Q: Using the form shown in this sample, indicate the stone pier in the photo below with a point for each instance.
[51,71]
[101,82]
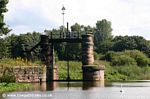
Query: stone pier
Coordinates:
[47,56]
[91,72]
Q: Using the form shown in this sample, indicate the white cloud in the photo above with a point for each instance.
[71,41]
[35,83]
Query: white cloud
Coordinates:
[127,16]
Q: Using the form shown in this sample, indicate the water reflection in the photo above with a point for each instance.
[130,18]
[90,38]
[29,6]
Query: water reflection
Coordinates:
[51,86]
[44,86]
[48,86]
[89,85]
[87,90]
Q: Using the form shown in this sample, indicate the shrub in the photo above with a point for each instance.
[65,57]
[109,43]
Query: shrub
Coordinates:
[109,55]
[7,75]
[128,57]
[112,74]
[122,60]
[132,72]
[96,56]
[140,57]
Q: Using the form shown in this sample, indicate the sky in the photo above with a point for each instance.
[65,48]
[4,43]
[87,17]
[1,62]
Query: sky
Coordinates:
[128,17]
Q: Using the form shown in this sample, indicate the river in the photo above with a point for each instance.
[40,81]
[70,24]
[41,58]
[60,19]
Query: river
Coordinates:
[80,90]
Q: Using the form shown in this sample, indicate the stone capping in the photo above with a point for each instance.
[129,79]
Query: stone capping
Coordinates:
[88,35]
[93,67]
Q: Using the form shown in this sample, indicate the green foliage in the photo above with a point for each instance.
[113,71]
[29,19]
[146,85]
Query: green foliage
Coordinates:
[112,74]
[13,87]
[104,46]
[128,57]
[122,60]
[7,62]
[109,55]
[7,76]
[103,30]
[128,72]
[96,56]
[141,58]
[75,70]
[73,51]
[81,29]
[3,9]
[16,45]
[4,49]
[76,27]
[122,43]
[103,36]
[132,72]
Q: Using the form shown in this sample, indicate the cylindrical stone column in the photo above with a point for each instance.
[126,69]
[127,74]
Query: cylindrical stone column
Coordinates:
[91,72]
[87,49]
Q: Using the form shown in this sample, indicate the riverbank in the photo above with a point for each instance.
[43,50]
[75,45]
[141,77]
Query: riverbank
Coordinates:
[112,73]
[14,87]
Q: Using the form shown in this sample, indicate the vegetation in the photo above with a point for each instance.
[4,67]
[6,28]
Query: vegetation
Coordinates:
[128,57]
[102,36]
[13,87]
[7,62]
[75,70]
[125,57]
[112,73]
[120,73]
[3,9]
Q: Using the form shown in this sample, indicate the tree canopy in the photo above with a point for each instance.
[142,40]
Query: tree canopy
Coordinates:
[3,28]
[103,36]
[14,46]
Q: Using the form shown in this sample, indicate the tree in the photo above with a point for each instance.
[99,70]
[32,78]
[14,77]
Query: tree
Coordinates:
[58,47]
[76,27]
[19,44]
[88,28]
[103,35]
[74,49]
[4,50]
[130,43]
[3,29]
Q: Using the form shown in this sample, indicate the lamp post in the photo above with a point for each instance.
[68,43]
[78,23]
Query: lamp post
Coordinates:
[63,13]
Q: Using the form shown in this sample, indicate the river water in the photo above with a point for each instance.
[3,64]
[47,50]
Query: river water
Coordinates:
[82,90]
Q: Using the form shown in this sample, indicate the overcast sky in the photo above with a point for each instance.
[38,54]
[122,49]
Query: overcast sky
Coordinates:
[128,17]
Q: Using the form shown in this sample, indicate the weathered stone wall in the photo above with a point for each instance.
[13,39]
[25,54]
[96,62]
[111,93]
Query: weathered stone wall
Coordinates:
[26,73]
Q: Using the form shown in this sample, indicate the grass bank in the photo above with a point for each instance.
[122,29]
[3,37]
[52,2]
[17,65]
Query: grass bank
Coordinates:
[13,87]
[75,70]
[18,62]
[112,73]
[125,72]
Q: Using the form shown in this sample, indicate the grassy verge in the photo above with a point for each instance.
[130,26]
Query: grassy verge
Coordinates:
[13,87]
[75,68]
[112,73]
[126,73]
[18,62]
